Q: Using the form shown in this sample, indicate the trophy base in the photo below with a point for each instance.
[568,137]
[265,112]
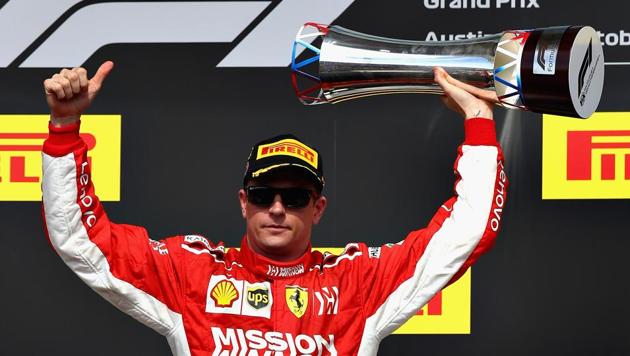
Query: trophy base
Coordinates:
[563,71]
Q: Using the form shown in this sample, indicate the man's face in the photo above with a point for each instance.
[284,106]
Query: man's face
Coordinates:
[275,230]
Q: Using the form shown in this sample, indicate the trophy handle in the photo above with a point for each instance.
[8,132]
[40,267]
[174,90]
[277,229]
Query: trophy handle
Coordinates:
[308,31]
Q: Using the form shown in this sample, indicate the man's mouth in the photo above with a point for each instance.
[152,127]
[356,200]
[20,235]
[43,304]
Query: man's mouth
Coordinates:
[276,227]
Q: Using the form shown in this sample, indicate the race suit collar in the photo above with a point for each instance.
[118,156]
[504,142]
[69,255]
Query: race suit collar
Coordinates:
[271,269]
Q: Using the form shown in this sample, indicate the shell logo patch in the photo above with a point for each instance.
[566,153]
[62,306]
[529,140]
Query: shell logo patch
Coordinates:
[224,294]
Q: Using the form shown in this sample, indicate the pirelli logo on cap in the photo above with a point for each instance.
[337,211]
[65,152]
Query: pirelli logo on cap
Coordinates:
[586,159]
[288,147]
[21,140]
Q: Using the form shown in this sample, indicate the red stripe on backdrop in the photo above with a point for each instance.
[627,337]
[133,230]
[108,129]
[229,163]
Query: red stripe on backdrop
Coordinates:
[89,139]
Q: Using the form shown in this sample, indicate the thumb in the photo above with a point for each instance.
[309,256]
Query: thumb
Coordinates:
[102,73]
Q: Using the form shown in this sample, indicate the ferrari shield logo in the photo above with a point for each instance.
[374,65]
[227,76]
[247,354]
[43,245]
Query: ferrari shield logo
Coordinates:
[297,300]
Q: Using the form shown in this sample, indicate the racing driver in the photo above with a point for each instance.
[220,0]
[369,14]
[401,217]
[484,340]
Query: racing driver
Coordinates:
[273,296]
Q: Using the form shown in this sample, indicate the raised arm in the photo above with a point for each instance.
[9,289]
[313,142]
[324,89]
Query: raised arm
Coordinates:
[402,277]
[119,262]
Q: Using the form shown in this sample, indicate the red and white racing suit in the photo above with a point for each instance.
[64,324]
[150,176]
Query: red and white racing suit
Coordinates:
[206,300]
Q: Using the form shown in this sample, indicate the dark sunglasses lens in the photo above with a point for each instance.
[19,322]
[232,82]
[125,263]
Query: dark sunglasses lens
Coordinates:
[296,197]
[260,195]
[291,197]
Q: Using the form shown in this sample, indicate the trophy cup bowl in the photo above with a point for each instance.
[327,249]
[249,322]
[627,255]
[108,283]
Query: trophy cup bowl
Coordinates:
[554,70]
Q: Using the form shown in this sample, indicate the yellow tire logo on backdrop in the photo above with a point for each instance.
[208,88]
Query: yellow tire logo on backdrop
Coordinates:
[21,139]
[447,313]
[586,159]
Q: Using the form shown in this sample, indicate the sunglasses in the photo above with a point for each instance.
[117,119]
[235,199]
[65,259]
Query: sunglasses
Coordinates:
[291,197]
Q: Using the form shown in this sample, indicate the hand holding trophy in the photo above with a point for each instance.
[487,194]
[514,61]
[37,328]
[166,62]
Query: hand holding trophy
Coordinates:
[555,70]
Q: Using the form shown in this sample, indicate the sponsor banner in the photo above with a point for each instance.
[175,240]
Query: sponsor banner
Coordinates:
[192,239]
[139,22]
[613,39]
[158,246]
[233,296]
[297,299]
[447,313]
[225,295]
[259,299]
[586,159]
[328,300]
[253,342]
[547,51]
[482,4]
[21,139]
[288,147]
[275,271]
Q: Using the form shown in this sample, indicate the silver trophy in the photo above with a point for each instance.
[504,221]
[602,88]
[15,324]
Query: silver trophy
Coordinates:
[555,70]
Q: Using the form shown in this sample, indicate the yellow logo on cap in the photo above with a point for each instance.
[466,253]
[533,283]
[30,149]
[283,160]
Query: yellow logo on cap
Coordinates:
[288,147]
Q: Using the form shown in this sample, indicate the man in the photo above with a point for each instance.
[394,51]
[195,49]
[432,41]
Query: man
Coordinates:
[274,296]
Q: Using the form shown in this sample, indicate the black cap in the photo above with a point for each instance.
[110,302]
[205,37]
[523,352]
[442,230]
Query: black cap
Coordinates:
[284,151]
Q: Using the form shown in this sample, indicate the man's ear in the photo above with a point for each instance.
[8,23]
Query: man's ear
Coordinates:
[320,206]
[242,199]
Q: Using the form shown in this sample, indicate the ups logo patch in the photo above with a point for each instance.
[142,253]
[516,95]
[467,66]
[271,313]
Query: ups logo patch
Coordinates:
[258,297]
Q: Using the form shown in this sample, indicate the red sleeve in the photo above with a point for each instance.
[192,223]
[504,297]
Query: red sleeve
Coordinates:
[406,275]
[119,262]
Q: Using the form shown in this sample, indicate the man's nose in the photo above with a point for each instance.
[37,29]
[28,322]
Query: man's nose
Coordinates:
[277,207]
